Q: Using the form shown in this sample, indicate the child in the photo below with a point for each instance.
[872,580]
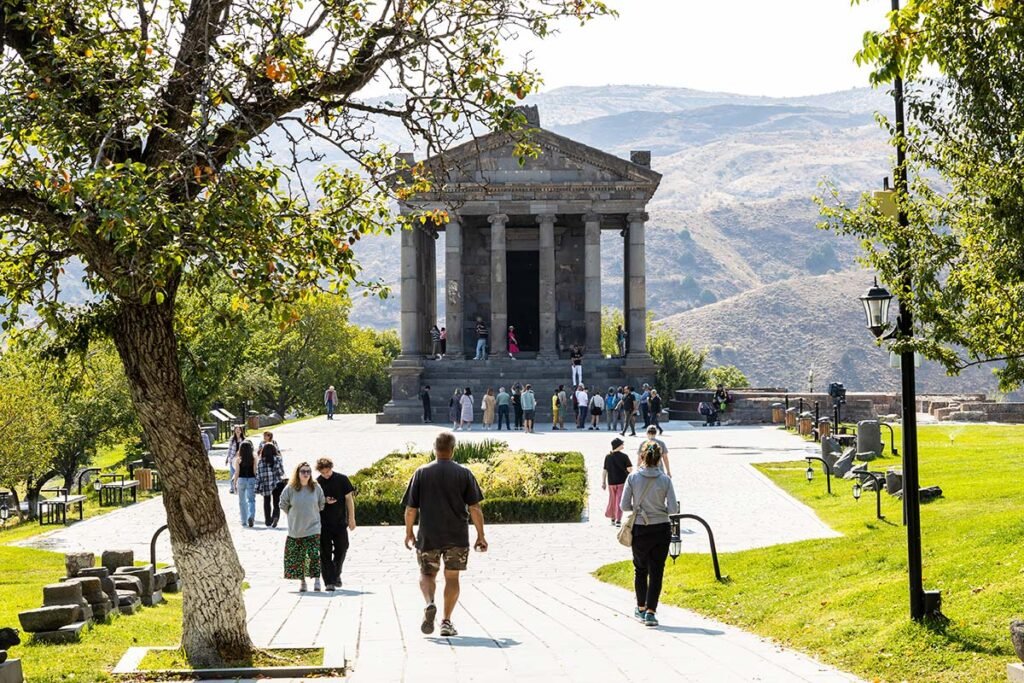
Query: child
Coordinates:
[616,468]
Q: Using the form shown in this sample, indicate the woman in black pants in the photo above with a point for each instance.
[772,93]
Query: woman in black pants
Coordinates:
[517,404]
[650,495]
[270,482]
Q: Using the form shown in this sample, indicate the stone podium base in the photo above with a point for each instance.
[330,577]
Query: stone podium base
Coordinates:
[10,672]
[1015,673]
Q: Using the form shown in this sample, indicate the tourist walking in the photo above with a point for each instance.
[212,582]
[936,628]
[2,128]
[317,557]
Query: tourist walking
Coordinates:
[652,438]
[444,342]
[302,500]
[627,404]
[488,406]
[504,402]
[466,405]
[649,494]
[445,496]
[337,518]
[582,406]
[330,400]
[655,406]
[455,408]
[425,399]
[613,478]
[554,410]
[645,408]
[596,408]
[435,342]
[563,406]
[270,483]
[620,340]
[237,437]
[268,437]
[517,404]
[245,482]
[513,342]
[481,339]
[609,408]
[529,403]
[576,361]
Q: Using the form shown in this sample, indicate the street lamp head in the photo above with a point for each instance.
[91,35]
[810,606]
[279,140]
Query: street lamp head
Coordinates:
[876,308]
[5,513]
[856,491]
[810,472]
[675,547]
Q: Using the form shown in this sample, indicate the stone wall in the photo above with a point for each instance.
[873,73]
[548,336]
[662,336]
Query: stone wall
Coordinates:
[754,406]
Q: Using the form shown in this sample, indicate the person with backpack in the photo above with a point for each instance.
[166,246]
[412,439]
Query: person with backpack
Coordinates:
[609,408]
[563,406]
[650,496]
[596,408]
[270,483]
[330,399]
[613,479]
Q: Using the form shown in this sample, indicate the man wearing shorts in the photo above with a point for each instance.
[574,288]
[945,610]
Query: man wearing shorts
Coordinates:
[446,496]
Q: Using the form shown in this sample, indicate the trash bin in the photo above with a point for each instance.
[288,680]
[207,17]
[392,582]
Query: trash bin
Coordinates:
[791,418]
[778,413]
[869,439]
[805,424]
[253,422]
[824,428]
[144,476]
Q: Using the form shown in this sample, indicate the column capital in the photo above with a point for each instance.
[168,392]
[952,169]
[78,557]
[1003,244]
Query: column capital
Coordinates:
[638,217]
[546,218]
[591,217]
[498,218]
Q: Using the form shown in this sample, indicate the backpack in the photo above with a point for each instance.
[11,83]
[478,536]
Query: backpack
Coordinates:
[704,408]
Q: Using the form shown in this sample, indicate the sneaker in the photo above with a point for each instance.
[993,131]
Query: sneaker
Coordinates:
[251,521]
[302,586]
[429,614]
[316,584]
[275,520]
[618,523]
[329,588]
[447,630]
[650,620]
[638,614]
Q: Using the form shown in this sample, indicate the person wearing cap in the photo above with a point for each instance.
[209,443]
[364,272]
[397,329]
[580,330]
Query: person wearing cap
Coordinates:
[652,438]
[613,477]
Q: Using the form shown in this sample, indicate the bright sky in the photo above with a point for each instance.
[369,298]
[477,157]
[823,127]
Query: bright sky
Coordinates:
[753,47]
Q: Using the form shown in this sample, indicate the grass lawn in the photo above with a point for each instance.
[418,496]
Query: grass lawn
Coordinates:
[844,600]
[175,659]
[25,572]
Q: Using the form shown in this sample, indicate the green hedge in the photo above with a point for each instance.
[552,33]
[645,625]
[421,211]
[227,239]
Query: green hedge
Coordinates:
[562,498]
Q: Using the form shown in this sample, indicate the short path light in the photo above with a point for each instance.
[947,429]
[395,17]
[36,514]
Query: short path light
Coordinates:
[5,512]
[878,480]
[675,548]
[810,472]
[856,491]
[876,308]
[825,466]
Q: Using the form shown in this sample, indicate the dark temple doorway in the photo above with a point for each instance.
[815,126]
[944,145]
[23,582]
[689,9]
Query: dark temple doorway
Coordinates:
[524,297]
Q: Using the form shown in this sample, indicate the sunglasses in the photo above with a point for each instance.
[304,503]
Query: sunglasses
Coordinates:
[305,471]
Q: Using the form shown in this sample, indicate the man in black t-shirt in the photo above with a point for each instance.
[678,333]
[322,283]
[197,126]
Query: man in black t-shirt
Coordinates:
[616,468]
[576,359]
[481,339]
[425,398]
[336,519]
[628,406]
[445,495]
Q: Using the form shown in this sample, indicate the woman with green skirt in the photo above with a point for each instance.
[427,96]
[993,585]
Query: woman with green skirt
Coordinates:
[302,500]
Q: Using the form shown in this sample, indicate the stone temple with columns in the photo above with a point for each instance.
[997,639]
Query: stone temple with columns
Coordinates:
[522,247]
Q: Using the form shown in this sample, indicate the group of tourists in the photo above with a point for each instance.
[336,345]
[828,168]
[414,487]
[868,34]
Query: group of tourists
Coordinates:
[320,511]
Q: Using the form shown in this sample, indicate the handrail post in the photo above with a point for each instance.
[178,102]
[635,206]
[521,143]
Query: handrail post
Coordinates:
[711,539]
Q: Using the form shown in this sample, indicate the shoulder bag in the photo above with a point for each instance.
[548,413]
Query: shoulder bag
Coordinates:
[625,534]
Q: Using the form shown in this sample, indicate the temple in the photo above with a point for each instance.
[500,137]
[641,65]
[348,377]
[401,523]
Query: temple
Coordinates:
[522,247]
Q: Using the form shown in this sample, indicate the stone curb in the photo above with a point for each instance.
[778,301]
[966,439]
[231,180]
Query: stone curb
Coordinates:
[128,667]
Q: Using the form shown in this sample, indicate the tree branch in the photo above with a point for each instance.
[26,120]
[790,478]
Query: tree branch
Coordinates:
[29,206]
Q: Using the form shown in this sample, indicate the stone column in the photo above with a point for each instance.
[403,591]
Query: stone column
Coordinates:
[636,312]
[499,286]
[548,327]
[625,285]
[453,287]
[428,284]
[411,334]
[592,283]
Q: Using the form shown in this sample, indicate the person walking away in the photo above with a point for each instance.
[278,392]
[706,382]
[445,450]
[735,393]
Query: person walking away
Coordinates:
[302,500]
[237,437]
[445,496]
[425,399]
[655,406]
[652,438]
[529,402]
[488,406]
[517,404]
[444,342]
[563,406]
[268,437]
[270,483]
[330,400]
[596,408]
[582,406]
[466,403]
[554,410]
[620,340]
[627,404]
[455,408]
[481,339]
[504,402]
[245,482]
[513,342]
[650,495]
[435,342]
[337,518]
[609,408]
[613,478]
[576,360]
[645,408]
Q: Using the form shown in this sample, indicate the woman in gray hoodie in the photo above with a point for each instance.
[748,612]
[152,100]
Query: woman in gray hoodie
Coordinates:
[302,500]
[649,493]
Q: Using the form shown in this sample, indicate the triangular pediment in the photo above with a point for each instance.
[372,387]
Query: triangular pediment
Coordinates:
[491,161]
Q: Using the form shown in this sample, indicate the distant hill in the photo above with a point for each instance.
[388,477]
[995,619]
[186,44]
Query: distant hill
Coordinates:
[778,332]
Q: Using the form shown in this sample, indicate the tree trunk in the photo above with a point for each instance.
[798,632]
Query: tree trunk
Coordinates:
[213,611]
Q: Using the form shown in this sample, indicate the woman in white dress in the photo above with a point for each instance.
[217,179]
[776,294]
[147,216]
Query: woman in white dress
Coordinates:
[466,422]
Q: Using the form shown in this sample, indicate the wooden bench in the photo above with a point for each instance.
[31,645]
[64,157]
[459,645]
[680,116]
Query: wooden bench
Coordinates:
[116,488]
[55,510]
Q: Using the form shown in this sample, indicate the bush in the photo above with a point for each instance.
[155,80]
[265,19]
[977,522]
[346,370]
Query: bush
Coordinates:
[728,376]
[518,486]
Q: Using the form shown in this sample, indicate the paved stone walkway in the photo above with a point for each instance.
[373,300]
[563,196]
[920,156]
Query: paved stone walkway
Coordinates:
[530,609]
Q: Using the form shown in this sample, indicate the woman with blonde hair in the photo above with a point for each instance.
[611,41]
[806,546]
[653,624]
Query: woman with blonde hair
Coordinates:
[489,406]
[303,500]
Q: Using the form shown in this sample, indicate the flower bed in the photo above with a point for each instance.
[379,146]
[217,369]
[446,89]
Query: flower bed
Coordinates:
[518,486]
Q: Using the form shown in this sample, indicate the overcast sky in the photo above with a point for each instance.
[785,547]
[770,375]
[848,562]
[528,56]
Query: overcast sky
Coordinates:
[751,47]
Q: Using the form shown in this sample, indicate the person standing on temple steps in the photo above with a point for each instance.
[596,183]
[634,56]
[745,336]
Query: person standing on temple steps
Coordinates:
[513,342]
[576,359]
[425,398]
[435,342]
[481,339]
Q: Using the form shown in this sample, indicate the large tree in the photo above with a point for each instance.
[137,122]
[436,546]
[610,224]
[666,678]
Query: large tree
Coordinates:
[963,247]
[133,138]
